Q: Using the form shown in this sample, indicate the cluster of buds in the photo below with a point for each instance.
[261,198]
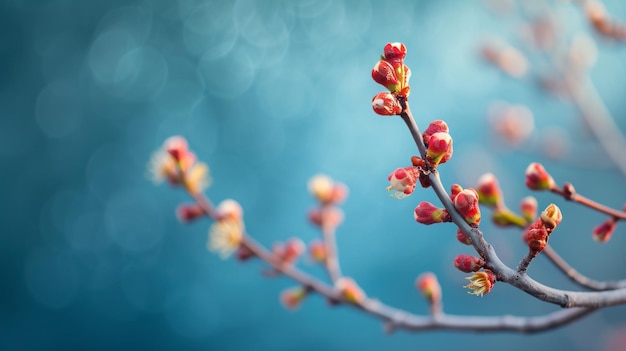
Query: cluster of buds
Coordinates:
[466,203]
[175,163]
[289,251]
[427,213]
[481,282]
[226,234]
[428,285]
[536,235]
[537,178]
[393,74]
[349,290]
[292,297]
[328,193]
[438,142]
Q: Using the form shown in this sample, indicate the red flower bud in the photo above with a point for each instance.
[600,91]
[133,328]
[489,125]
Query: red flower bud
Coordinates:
[244,253]
[468,263]
[455,189]
[290,251]
[428,285]
[537,178]
[384,74]
[434,127]
[394,52]
[536,236]
[292,298]
[385,104]
[427,213]
[462,237]
[402,181]
[528,207]
[488,190]
[466,203]
[603,232]
[189,212]
[439,145]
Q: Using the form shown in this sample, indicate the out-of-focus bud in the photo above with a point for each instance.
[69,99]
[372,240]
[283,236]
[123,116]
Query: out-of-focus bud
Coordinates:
[229,209]
[428,285]
[504,217]
[292,298]
[537,178]
[434,127]
[462,237]
[384,74]
[481,282]
[528,207]
[321,187]
[330,217]
[176,146]
[602,233]
[350,290]
[507,58]
[488,190]
[513,124]
[439,145]
[385,104]
[289,251]
[402,181]
[468,263]
[317,251]
[244,253]
[551,217]
[189,212]
[427,213]
[466,203]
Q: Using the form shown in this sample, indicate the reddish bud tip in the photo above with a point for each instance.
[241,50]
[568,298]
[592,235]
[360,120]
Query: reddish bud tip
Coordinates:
[468,263]
[385,104]
[463,238]
[528,207]
[434,127]
[350,291]
[317,251]
[189,212]
[488,190]
[603,232]
[455,189]
[428,285]
[384,74]
[439,145]
[292,298]
[427,213]
[402,181]
[537,178]
[466,203]
[394,52]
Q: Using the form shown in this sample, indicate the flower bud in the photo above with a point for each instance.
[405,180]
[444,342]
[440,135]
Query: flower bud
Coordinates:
[466,203]
[321,187]
[603,232]
[551,217]
[537,178]
[504,218]
[462,237]
[428,285]
[229,209]
[481,282]
[176,146]
[528,207]
[331,217]
[488,190]
[402,181]
[427,213]
[189,212]
[317,251]
[434,127]
[350,290]
[384,74]
[292,298]
[394,52]
[439,144]
[455,189]
[289,251]
[536,236]
[468,263]
[385,104]
[244,253]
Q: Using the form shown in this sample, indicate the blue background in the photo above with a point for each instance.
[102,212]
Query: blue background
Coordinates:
[268,93]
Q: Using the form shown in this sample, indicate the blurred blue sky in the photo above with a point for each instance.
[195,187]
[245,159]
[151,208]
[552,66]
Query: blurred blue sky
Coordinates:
[268,93]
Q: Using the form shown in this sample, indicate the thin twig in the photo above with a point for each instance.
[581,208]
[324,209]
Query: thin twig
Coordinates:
[331,262]
[575,197]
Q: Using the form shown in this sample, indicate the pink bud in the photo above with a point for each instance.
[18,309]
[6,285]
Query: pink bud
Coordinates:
[463,238]
[385,104]
[394,52]
[292,298]
[434,127]
[244,253]
[176,146]
[189,212]
[402,181]
[384,74]
[289,251]
[317,251]
[489,192]
[466,203]
[350,291]
[428,285]
[439,144]
[602,233]
[455,189]
[427,213]
[528,207]
[468,263]
[537,178]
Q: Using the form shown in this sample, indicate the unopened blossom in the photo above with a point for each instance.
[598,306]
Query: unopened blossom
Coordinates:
[481,282]
[350,290]
[488,190]
[189,212]
[504,217]
[513,124]
[528,207]
[434,127]
[402,181]
[386,104]
[505,57]
[394,52]
[292,297]
[466,203]
[229,209]
[290,250]
[468,263]
[455,189]
[537,178]
[551,217]
[321,187]
[330,217]
[384,74]
[602,233]
[462,237]
[428,285]
[225,236]
[439,146]
[244,253]
[317,251]
[174,162]
[427,213]
[537,234]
